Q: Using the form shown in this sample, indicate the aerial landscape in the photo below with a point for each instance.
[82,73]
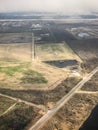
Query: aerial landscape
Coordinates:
[48,69]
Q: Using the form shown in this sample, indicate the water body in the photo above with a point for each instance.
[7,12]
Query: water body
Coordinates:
[92,121]
[62,63]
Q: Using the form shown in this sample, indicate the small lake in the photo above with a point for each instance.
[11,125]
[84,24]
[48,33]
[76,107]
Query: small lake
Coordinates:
[62,63]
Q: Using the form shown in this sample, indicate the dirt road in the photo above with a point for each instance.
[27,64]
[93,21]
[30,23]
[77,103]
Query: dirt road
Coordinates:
[60,103]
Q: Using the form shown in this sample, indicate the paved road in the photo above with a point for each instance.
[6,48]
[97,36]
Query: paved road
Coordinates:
[60,103]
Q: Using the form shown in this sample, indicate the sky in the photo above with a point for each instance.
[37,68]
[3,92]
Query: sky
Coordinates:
[59,6]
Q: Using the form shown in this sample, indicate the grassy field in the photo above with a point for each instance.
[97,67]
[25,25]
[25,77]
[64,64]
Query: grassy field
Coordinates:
[19,74]
[13,74]
[23,52]
[55,51]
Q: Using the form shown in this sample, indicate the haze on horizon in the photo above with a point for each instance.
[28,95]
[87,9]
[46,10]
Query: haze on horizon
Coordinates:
[58,6]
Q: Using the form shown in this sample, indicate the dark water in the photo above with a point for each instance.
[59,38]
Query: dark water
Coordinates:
[62,63]
[92,121]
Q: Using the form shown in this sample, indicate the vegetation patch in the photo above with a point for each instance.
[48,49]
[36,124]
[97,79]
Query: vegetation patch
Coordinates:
[89,65]
[92,84]
[5,103]
[73,113]
[44,96]
[19,118]
[10,71]
[31,76]
[20,74]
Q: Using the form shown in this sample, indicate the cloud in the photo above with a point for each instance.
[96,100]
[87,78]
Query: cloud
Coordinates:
[63,6]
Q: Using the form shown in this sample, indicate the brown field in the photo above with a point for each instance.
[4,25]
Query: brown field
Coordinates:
[15,37]
[15,54]
[73,114]
[59,51]
[92,84]
[88,65]
[86,48]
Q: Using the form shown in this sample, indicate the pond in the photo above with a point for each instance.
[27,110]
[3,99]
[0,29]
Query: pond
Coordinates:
[62,63]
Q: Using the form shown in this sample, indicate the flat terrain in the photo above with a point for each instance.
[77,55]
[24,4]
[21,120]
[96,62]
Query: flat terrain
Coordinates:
[15,52]
[91,85]
[73,114]
[15,38]
[85,48]
[19,117]
[42,65]
[55,51]
[75,111]
[17,58]
[43,97]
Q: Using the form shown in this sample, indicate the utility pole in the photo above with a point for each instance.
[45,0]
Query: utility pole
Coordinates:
[33,48]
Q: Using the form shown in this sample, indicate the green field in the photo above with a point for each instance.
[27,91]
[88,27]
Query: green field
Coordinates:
[20,74]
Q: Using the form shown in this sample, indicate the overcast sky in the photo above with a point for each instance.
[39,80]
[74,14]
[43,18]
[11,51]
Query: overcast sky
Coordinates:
[64,6]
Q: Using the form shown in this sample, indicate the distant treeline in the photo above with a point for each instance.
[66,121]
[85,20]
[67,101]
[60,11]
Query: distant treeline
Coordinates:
[38,15]
[89,16]
[18,16]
